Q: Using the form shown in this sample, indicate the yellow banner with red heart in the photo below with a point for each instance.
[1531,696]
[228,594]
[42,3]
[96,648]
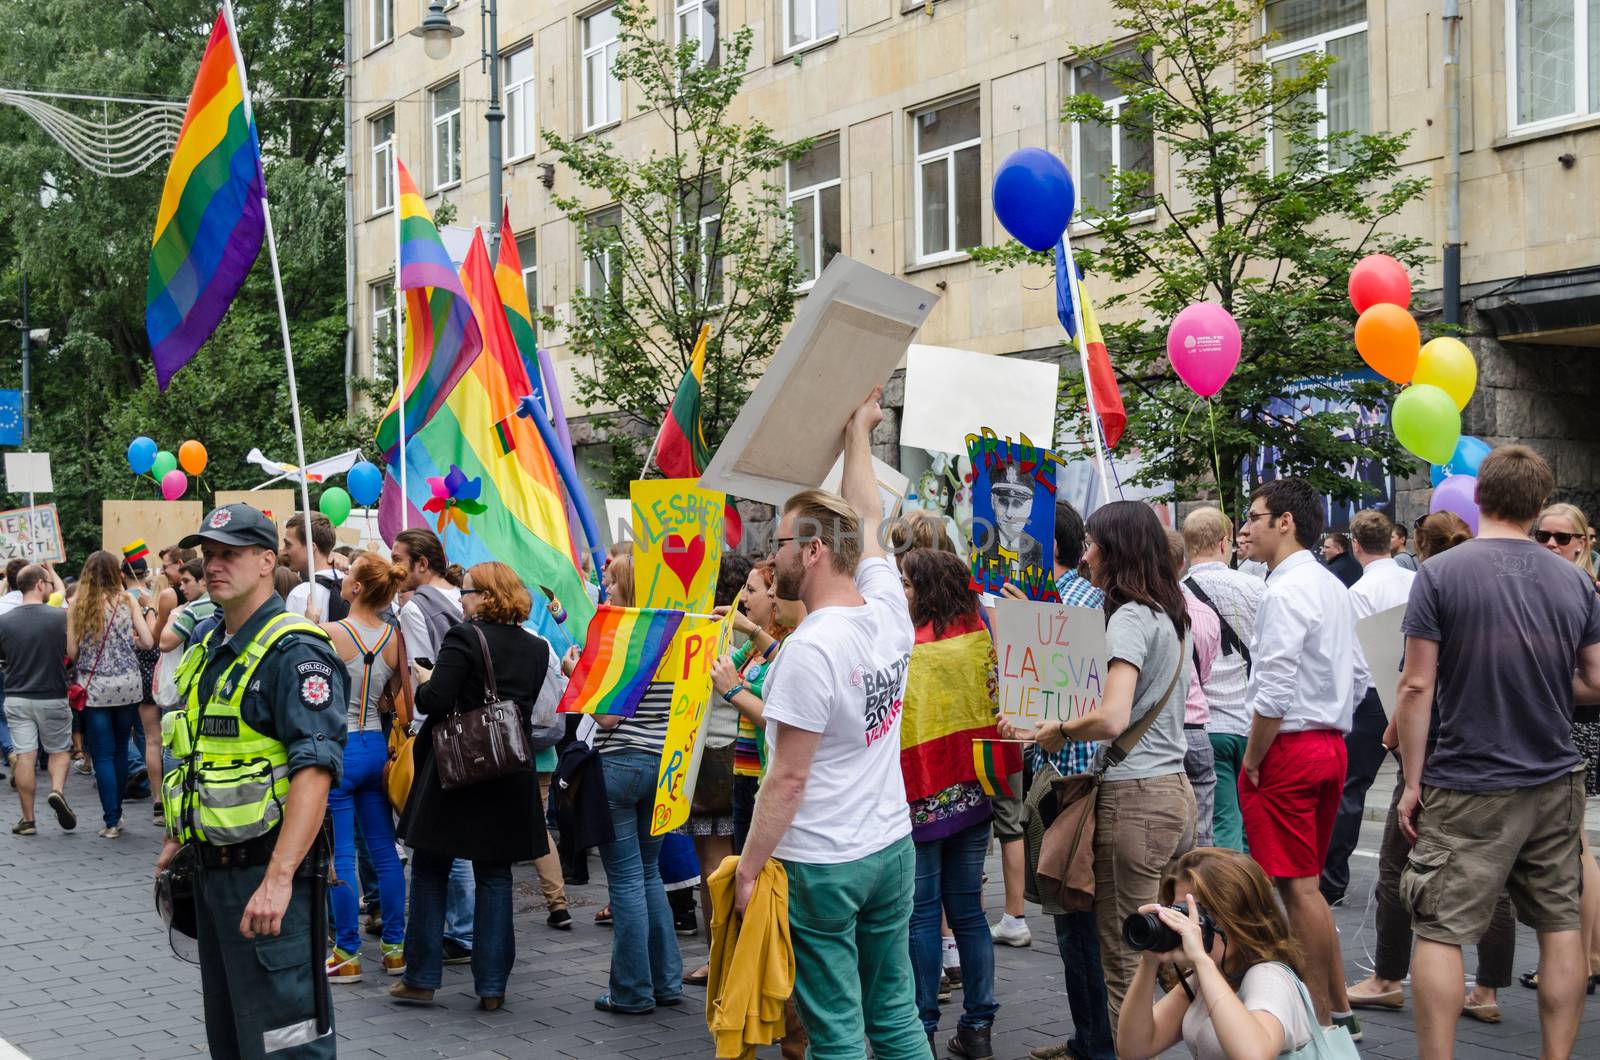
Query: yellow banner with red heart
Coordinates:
[677,544]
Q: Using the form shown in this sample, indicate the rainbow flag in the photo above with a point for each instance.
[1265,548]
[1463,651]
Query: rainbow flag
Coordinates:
[525,524]
[211,219]
[989,763]
[514,296]
[443,336]
[621,653]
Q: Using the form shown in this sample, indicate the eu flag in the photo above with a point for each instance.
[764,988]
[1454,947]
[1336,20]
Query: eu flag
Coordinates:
[10,417]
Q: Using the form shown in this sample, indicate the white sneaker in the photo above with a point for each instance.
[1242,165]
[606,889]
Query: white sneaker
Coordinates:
[1011,931]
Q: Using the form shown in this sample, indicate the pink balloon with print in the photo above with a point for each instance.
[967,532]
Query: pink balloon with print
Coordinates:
[174,484]
[1203,345]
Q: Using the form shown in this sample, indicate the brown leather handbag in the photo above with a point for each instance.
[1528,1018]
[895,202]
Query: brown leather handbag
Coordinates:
[484,743]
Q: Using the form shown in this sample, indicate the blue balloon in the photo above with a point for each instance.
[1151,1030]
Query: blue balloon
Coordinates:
[364,482]
[1437,473]
[141,454]
[1033,197]
[1469,454]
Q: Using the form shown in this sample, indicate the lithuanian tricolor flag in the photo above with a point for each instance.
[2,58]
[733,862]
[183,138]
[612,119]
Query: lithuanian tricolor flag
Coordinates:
[621,652]
[681,449]
[989,764]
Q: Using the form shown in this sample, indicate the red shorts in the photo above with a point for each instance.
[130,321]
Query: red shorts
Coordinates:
[1288,819]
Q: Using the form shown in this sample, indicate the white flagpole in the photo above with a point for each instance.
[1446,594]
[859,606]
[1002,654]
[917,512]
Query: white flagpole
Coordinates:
[399,332]
[283,315]
[1083,363]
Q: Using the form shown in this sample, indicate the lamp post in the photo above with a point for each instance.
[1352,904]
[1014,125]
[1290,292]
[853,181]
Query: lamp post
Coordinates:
[437,33]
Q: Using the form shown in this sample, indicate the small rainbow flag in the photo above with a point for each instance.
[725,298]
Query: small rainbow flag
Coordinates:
[621,652]
[988,761]
[134,551]
[210,222]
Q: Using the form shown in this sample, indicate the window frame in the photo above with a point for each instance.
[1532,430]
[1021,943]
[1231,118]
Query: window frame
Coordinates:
[381,154]
[586,52]
[605,262]
[1080,223]
[683,7]
[1317,44]
[452,120]
[527,90]
[921,158]
[792,195]
[813,41]
[380,317]
[374,7]
[1582,75]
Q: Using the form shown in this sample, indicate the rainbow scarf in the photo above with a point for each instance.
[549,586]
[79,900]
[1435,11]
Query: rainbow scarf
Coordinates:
[949,702]
[621,652]
[211,219]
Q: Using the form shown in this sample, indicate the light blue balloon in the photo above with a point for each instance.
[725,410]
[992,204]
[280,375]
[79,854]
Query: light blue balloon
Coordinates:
[1469,454]
[365,482]
[1437,473]
[141,454]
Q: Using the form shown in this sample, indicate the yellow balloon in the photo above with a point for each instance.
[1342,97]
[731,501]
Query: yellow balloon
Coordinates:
[1447,364]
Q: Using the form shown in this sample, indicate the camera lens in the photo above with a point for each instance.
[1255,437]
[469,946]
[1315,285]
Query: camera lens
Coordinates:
[1145,931]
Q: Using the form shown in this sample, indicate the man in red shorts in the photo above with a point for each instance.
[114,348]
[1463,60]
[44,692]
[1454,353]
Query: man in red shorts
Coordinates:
[1302,693]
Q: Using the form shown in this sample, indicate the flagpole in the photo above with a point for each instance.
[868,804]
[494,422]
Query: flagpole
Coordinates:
[399,334]
[283,312]
[1071,271]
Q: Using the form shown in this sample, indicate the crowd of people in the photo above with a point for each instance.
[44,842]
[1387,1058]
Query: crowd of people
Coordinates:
[1237,737]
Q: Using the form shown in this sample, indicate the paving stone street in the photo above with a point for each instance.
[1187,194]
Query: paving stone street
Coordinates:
[85,972]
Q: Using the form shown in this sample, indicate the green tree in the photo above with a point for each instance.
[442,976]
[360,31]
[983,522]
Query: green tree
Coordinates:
[694,233]
[1273,244]
[84,241]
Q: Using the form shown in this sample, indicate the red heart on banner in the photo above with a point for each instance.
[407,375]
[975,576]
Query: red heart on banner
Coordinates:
[684,559]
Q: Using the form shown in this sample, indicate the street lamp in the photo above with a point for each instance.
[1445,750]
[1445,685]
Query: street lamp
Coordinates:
[437,32]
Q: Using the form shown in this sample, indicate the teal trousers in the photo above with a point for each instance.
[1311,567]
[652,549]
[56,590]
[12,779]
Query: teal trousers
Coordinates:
[1227,826]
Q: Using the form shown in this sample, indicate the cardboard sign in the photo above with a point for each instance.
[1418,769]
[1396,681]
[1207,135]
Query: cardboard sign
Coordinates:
[161,524]
[28,473]
[677,544]
[948,390]
[698,645]
[619,520]
[1384,647]
[1013,515]
[1052,660]
[33,534]
[892,485]
[279,505]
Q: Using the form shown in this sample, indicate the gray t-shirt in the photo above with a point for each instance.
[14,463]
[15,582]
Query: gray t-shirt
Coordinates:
[1509,617]
[1145,638]
[33,640]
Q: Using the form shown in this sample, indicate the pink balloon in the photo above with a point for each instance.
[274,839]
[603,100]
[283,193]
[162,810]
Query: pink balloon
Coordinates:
[1203,345]
[174,484]
[1459,494]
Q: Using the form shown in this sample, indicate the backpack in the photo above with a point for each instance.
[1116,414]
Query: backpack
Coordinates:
[338,606]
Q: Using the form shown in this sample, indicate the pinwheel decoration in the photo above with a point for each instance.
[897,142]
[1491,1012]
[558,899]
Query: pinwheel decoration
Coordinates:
[455,497]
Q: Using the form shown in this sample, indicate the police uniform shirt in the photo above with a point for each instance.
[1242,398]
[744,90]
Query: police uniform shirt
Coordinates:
[298,695]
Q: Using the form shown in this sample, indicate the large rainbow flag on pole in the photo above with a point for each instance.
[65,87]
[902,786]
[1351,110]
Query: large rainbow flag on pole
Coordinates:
[514,296]
[623,649]
[525,525]
[210,223]
[443,336]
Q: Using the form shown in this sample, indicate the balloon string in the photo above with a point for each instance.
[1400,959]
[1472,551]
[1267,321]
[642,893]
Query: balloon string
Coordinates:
[1192,406]
[1216,462]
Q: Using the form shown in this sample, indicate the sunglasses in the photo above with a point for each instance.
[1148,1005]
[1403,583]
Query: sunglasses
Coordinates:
[1544,536]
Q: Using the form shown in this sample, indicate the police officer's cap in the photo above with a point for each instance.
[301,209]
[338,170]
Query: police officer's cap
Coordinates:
[235,524]
[1009,479]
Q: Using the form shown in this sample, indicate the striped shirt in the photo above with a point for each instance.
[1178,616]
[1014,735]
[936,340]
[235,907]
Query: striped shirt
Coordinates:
[647,729]
[1078,755]
[1235,596]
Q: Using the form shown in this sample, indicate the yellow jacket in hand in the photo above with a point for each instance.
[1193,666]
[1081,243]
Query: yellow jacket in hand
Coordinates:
[752,961]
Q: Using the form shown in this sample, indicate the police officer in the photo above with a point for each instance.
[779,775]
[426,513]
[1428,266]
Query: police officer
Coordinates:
[260,742]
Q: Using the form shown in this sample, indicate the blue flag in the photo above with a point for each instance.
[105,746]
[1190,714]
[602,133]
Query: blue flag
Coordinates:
[10,417]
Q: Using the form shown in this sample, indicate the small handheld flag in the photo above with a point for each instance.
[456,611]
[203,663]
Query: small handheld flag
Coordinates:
[989,763]
[134,551]
[621,653]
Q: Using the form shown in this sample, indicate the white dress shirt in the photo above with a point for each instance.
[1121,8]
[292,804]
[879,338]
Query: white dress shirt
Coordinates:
[1305,667]
[1383,584]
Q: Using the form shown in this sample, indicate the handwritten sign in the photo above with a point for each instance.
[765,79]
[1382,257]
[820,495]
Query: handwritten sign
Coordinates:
[1384,647]
[1052,660]
[698,645]
[33,534]
[1013,515]
[677,544]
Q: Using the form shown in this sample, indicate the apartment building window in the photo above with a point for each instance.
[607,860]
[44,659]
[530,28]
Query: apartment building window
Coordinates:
[806,22]
[445,107]
[381,130]
[1556,73]
[1105,149]
[521,126]
[381,19]
[528,254]
[949,191]
[603,267]
[700,221]
[602,92]
[697,21]
[381,296]
[1335,28]
[813,187]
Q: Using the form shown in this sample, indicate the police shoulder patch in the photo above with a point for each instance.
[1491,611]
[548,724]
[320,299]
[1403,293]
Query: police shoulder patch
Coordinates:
[312,666]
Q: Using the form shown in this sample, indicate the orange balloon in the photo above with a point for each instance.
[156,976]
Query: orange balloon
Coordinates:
[192,457]
[1387,338]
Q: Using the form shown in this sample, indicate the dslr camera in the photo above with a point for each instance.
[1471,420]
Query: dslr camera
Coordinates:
[1145,931]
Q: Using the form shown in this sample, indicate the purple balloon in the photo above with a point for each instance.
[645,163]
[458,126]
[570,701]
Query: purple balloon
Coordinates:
[1458,494]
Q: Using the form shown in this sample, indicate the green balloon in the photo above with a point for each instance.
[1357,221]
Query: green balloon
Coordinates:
[163,463]
[1426,421]
[335,504]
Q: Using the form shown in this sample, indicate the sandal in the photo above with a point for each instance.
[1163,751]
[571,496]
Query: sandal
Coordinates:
[1530,979]
[1487,1012]
[603,917]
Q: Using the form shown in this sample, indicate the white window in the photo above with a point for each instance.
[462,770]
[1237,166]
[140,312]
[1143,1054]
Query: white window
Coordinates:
[813,187]
[1335,28]
[1105,149]
[521,127]
[381,295]
[381,20]
[949,191]
[603,267]
[1555,76]
[381,129]
[446,110]
[806,22]
[697,21]
[602,92]
[700,220]
[528,254]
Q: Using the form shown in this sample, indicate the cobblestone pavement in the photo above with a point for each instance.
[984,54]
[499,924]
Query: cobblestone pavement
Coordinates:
[85,972]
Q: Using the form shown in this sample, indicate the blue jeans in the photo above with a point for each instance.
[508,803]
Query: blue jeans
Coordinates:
[645,964]
[459,903]
[496,950]
[6,746]
[1078,941]
[361,793]
[950,875]
[107,730]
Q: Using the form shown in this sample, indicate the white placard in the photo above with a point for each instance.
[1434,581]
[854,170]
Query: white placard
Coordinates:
[1384,646]
[619,520]
[1052,660]
[950,393]
[28,473]
[892,485]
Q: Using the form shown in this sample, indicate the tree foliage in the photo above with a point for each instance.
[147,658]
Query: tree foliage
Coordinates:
[1273,245]
[669,273]
[84,242]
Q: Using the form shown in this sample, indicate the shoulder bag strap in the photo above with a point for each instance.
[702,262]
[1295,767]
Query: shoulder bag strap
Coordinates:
[1123,745]
[1231,641]
[490,693]
[100,654]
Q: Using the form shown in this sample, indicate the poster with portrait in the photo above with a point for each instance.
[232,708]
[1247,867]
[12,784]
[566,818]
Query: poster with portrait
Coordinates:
[1013,515]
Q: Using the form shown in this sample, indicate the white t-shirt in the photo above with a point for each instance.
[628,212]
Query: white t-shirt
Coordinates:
[1268,987]
[842,673]
[419,638]
[299,594]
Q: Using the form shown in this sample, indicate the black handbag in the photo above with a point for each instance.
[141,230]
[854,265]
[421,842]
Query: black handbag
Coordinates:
[484,743]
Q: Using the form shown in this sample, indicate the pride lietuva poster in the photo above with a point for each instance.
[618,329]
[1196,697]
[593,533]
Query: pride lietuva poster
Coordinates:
[1013,515]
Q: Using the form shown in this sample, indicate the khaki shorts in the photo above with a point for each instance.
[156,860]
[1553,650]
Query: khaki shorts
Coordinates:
[1008,811]
[39,724]
[1473,844]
